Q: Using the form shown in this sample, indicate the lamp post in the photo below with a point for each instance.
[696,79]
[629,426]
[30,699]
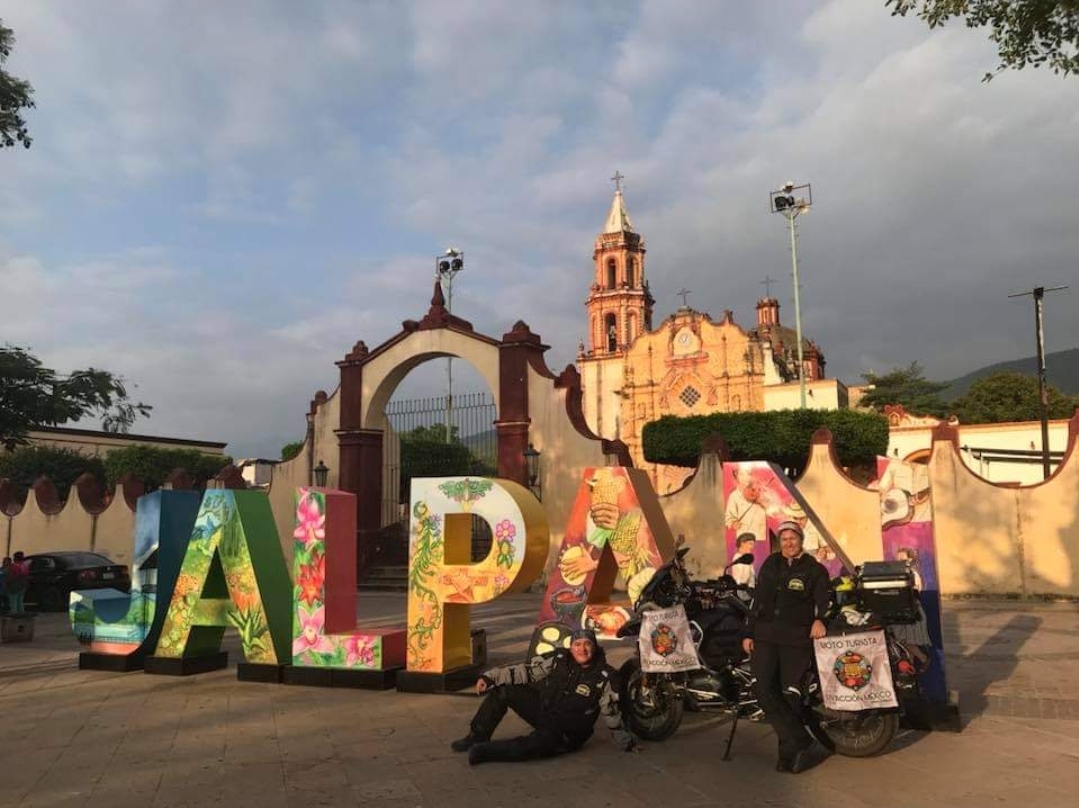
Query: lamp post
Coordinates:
[1038,293]
[447,266]
[321,471]
[532,466]
[790,206]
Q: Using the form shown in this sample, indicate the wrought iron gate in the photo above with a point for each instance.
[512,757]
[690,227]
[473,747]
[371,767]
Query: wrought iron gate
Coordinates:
[472,450]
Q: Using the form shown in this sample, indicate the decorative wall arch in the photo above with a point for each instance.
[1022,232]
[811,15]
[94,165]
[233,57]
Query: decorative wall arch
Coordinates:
[369,378]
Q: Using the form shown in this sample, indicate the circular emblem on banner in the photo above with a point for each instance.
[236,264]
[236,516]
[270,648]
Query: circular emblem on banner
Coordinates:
[852,670]
[664,640]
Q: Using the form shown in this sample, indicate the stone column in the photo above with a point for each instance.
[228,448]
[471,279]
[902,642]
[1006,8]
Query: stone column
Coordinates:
[513,418]
[359,455]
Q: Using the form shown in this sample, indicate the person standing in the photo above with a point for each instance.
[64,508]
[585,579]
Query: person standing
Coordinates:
[17,580]
[791,601]
[5,566]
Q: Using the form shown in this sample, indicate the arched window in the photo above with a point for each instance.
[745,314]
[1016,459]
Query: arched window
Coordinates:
[612,332]
[612,270]
[631,272]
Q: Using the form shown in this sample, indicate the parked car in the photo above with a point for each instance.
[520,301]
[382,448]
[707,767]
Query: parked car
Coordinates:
[53,576]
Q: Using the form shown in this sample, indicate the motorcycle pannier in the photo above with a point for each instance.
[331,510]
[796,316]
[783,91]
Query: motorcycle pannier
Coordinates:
[887,588]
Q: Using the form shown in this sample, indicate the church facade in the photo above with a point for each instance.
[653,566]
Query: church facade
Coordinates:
[690,364]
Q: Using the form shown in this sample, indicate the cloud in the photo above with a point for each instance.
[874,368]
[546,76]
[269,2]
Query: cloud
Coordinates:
[296,168]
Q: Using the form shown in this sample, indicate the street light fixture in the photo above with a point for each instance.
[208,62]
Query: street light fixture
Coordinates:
[791,201]
[447,266]
[532,465]
[321,473]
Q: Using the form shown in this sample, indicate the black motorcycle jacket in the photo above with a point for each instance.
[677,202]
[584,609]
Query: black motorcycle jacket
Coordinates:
[572,697]
[788,598]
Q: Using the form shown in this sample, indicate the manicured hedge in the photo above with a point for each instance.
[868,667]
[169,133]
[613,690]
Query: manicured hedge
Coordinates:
[782,437]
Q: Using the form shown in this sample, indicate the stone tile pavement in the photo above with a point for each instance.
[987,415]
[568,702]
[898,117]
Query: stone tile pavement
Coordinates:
[75,738]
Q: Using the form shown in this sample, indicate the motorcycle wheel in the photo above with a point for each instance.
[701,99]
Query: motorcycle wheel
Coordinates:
[655,718]
[857,735]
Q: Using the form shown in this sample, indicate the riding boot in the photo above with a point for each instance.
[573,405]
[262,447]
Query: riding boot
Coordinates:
[539,744]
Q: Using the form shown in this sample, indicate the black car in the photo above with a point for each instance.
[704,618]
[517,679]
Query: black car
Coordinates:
[53,576]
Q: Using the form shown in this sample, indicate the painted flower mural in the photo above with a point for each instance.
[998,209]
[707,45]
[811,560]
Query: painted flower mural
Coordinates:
[310,639]
[312,645]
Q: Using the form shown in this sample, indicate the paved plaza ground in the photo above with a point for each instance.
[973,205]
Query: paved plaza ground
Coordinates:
[75,738]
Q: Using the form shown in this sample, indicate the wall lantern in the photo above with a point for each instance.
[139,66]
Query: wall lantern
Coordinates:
[532,464]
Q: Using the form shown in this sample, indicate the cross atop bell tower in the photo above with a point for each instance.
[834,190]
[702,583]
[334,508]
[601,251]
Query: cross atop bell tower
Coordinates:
[619,303]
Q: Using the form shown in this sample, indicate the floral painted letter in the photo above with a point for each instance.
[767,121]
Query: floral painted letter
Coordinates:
[442,583]
[233,574]
[324,631]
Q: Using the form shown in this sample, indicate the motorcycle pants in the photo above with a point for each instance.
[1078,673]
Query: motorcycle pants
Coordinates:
[778,668]
[544,741]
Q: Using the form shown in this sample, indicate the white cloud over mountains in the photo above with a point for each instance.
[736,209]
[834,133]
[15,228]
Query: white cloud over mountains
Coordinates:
[221,199]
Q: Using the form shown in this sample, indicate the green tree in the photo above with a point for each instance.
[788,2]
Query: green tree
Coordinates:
[1026,32]
[15,95]
[1009,397]
[153,465]
[425,453]
[32,397]
[907,386]
[63,466]
[290,450]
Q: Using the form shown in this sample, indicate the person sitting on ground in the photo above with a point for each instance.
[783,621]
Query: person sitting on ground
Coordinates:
[560,695]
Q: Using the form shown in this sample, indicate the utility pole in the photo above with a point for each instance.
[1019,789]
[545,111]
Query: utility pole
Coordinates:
[1038,293]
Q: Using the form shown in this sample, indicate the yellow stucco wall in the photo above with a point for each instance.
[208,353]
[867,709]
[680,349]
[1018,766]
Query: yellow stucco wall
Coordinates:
[821,394]
[34,531]
[114,534]
[850,512]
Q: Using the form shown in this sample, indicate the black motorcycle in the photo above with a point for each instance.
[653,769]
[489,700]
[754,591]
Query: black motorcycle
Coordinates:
[717,610]
[654,703]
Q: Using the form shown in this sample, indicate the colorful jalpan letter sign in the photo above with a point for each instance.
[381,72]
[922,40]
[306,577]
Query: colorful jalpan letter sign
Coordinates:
[906,520]
[616,526]
[324,632]
[233,574]
[760,497]
[113,623]
[442,583]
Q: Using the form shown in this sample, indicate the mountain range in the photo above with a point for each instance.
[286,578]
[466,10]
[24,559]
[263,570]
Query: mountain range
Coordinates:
[1061,371]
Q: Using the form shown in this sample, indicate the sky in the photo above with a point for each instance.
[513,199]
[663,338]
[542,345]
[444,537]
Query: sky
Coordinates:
[222,198]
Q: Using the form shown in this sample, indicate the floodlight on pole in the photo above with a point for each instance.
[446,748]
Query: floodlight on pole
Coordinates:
[447,266]
[1038,293]
[787,202]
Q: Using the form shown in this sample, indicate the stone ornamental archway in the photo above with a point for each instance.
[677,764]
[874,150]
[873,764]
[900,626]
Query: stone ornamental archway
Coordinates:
[369,378]
[347,428]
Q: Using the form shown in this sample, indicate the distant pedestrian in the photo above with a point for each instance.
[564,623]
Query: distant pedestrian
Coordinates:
[4,567]
[17,579]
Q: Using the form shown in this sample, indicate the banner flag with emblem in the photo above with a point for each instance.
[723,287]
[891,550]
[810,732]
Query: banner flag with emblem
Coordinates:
[854,671]
[666,642]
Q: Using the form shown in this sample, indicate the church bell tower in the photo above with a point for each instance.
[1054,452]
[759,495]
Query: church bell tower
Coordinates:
[619,302]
